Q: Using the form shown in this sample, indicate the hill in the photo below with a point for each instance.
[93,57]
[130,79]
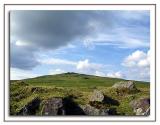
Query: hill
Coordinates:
[76,87]
[71,79]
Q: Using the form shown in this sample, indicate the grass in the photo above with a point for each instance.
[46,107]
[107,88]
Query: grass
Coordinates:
[79,86]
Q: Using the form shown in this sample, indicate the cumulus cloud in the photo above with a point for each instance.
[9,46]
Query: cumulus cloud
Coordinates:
[138,59]
[116,75]
[85,65]
[138,65]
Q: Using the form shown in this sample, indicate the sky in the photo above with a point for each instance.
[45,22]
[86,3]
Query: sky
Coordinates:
[108,43]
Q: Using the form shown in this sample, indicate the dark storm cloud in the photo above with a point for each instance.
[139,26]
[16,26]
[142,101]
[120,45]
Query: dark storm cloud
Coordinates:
[47,30]
[22,58]
[51,29]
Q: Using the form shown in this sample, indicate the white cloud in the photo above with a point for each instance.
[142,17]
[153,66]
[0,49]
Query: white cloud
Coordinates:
[85,65]
[56,61]
[138,65]
[22,43]
[122,37]
[17,74]
[98,73]
[137,58]
[115,75]
[56,71]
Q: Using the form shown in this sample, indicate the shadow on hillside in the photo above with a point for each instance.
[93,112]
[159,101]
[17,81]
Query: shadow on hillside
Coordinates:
[110,101]
[71,107]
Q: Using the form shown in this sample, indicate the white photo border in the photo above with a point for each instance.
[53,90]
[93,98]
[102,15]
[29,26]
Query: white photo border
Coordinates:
[151,7]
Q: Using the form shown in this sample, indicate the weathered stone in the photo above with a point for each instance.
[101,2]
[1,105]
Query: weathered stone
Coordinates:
[97,96]
[54,106]
[124,87]
[141,106]
[89,110]
[125,84]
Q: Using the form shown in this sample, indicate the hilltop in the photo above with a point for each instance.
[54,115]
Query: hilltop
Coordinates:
[75,90]
[72,79]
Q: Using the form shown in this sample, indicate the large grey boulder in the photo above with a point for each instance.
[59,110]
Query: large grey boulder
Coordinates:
[141,106]
[125,84]
[92,111]
[97,96]
[53,106]
[125,87]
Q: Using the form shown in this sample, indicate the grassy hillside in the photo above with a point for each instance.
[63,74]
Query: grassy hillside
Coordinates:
[79,86]
[75,80]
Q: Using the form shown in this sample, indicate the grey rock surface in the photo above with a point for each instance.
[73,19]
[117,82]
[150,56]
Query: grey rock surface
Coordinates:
[54,106]
[125,85]
[92,111]
[97,96]
[141,106]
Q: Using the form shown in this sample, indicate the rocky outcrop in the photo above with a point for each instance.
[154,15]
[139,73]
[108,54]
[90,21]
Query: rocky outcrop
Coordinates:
[97,96]
[30,108]
[125,87]
[53,106]
[141,106]
[125,84]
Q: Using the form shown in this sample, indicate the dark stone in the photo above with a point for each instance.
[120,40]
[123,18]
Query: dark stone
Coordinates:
[30,108]
[53,106]
[62,106]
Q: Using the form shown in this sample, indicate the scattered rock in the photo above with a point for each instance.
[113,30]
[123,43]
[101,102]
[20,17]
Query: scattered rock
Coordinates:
[30,108]
[89,110]
[53,106]
[97,96]
[141,106]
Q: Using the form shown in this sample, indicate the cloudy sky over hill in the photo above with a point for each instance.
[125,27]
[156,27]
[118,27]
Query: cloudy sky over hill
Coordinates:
[104,43]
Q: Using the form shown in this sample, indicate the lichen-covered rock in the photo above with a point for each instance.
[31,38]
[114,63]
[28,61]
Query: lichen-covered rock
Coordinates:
[97,96]
[53,106]
[125,87]
[92,111]
[141,106]
[124,84]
